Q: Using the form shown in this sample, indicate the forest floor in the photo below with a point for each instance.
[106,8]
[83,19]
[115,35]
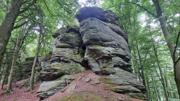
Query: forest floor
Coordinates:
[19,93]
[85,84]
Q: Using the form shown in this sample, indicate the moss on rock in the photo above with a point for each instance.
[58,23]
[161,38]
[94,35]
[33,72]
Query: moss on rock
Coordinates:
[106,80]
[68,68]
[82,96]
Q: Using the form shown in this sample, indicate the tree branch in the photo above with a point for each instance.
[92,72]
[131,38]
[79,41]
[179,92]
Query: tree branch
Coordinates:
[48,8]
[26,8]
[177,61]
[17,26]
[145,9]
[175,49]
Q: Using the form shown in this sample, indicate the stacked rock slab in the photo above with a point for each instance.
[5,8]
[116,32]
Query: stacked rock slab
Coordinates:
[99,44]
[106,44]
[66,51]
[65,60]
[107,52]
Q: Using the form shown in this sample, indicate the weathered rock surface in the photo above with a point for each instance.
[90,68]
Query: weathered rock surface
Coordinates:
[124,82]
[48,88]
[104,47]
[66,56]
[99,13]
[89,86]
[65,60]
[97,56]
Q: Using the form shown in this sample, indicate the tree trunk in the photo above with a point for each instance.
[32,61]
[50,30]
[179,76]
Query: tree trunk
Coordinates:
[147,88]
[20,40]
[34,63]
[7,25]
[177,75]
[2,75]
[5,71]
[155,89]
[141,65]
[16,51]
[170,44]
[161,73]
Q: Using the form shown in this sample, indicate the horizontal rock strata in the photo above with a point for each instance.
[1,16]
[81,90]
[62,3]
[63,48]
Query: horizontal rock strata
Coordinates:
[98,45]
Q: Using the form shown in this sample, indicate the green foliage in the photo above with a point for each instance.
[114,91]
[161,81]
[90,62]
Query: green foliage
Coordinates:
[138,20]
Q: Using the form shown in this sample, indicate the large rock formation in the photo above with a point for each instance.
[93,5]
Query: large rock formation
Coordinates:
[65,61]
[98,45]
[104,47]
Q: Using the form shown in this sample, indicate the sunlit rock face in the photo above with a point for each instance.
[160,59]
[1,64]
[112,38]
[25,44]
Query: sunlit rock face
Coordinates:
[98,45]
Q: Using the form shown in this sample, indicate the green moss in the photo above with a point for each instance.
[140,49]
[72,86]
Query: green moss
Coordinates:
[68,68]
[109,84]
[106,80]
[82,96]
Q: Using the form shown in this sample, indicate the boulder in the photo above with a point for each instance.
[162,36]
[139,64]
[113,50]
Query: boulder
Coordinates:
[95,32]
[124,82]
[65,55]
[50,74]
[67,38]
[67,68]
[99,13]
[104,47]
[48,88]
[122,77]
[64,59]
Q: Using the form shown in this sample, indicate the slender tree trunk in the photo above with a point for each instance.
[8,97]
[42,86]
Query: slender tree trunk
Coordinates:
[142,70]
[170,44]
[161,73]
[34,63]
[7,25]
[155,89]
[140,63]
[177,75]
[2,71]
[166,82]
[5,74]
[40,38]
[135,62]
[147,88]
[19,42]
[33,72]
[2,76]
[13,64]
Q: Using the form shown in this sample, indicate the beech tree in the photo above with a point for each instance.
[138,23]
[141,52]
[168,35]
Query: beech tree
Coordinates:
[140,20]
[172,47]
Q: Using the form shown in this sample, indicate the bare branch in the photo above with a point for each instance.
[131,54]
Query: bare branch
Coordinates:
[177,61]
[145,9]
